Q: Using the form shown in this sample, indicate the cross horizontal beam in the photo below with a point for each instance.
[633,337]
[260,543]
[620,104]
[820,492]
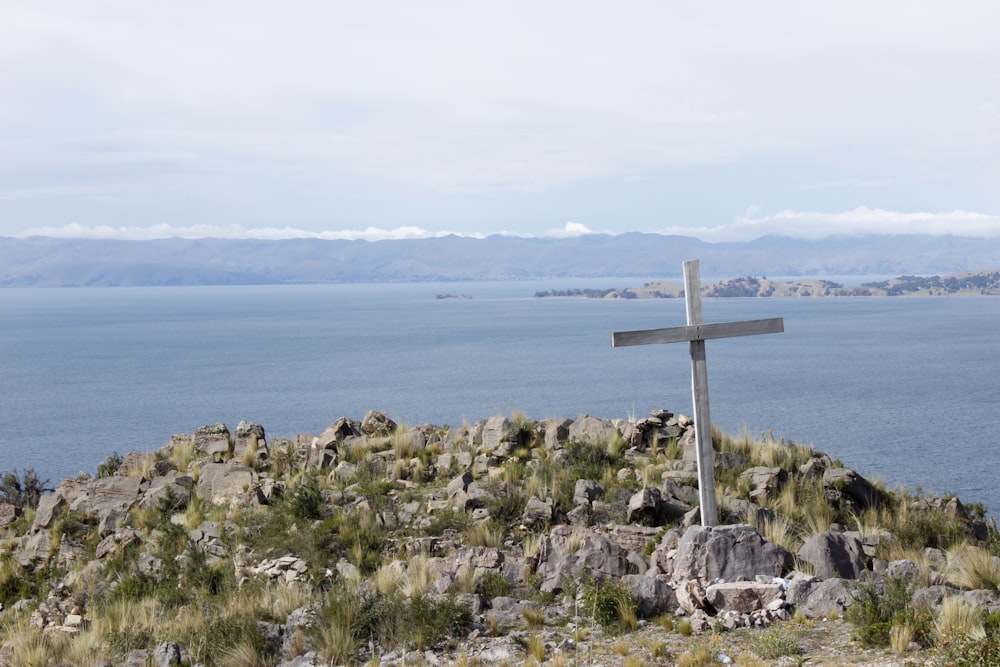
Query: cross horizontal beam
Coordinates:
[697,332]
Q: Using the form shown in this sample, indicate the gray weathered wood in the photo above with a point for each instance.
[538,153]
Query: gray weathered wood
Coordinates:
[696,333]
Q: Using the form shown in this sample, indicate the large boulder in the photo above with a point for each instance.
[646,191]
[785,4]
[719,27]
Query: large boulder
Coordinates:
[644,507]
[586,491]
[556,433]
[834,555]
[708,553]
[764,481]
[336,433]
[592,430]
[376,423]
[50,505]
[220,484]
[215,441]
[652,593]
[829,598]
[565,556]
[8,514]
[249,436]
[499,435]
[843,484]
[109,494]
[743,596]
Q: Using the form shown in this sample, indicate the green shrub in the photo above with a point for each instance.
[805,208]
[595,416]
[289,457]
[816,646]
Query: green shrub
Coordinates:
[447,520]
[493,585]
[876,609]
[24,490]
[775,642]
[419,622]
[609,603]
[110,465]
[306,502]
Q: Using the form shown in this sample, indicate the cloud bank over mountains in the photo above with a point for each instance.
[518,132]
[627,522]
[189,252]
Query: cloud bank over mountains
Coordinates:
[803,225]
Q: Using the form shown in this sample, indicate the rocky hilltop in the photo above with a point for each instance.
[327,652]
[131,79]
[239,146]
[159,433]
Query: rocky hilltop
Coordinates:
[969,283]
[509,541]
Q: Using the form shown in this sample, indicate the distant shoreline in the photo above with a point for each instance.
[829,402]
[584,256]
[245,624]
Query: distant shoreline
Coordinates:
[967,283]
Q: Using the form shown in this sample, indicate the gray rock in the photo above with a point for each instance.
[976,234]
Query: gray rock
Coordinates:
[652,593]
[765,481]
[798,590]
[459,484]
[8,514]
[988,601]
[851,485]
[829,597]
[50,505]
[34,548]
[499,431]
[708,553]
[171,487]
[536,513]
[249,436]
[509,612]
[742,596]
[336,433]
[214,441]
[815,467]
[109,494]
[167,654]
[560,559]
[932,596]
[586,491]
[137,658]
[556,433]
[903,569]
[592,430]
[644,507]
[691,597]
[376,423]
[219,483]
[309,659]
[834,555]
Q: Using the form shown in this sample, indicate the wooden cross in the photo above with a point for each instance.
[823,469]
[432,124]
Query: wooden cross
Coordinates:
[696,333]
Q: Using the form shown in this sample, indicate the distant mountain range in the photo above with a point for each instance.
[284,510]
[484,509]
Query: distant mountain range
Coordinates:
[51,262]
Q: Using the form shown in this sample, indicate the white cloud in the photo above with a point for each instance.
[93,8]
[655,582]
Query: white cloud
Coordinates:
[569,229]
[164,231]
[794,224]
[856,222]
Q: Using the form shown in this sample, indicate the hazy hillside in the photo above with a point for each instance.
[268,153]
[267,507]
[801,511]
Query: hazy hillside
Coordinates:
[50,262]
[967,283]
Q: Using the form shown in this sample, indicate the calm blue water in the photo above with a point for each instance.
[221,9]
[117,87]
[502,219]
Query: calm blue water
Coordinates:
[902,389]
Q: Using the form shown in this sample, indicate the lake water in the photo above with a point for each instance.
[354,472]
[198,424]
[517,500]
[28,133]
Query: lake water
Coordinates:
[904,389]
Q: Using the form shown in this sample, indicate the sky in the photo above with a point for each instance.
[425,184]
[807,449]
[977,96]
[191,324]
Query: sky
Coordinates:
[720,120]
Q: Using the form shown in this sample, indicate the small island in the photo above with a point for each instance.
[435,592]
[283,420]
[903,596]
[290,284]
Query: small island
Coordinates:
[970,283]
[460,297]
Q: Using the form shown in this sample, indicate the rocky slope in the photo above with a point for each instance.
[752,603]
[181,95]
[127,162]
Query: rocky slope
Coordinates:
[504,542]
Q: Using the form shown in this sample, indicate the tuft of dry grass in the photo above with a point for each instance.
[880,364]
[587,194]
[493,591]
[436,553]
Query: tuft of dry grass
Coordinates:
[900,637]
[958,619]
[973,568]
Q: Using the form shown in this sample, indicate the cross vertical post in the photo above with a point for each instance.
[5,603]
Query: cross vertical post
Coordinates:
[699,399]
[696,333]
